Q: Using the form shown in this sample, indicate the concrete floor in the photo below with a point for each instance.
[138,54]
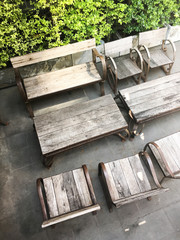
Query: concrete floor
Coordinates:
[21,165]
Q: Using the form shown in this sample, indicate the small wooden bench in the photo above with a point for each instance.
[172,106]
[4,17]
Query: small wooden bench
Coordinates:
[76,125]
[152,99]
[128,179]
[65,79]
[156,57]
[67,195]
[125,61]
[167,153]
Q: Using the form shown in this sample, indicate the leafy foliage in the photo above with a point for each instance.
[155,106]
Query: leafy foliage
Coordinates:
[50,23]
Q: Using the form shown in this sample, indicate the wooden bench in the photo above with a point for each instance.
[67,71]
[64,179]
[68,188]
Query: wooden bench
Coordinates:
[152,99]
[65,79]
[67,195]
[76,125]
[167,153]
[124,61]
[156,57]
[128,179]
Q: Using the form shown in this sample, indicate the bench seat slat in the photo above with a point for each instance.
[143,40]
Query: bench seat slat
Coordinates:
[61,80]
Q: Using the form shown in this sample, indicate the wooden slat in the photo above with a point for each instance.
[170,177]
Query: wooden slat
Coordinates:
[114,48]
[50,195]
[56,107]
[91,117]
[126,67]
[129,175]
[82,187]
[74,110]
[140,196]
[158,58]
[139,173]
[135,90]
[61,80]
[71,215]
[119,179]
[152,38]
[111,184]
[71,190]
[60,194]
[79,134]
[52,53]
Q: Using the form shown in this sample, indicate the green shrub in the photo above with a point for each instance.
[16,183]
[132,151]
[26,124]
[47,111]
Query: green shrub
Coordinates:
[144,15]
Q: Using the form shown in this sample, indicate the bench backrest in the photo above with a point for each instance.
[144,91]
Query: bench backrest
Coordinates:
[52,53]
[119,47]
[152,38]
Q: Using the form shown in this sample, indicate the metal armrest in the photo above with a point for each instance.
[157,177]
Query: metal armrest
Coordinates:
[161,155]
[146,50]
[172,45]
[151,167]
[96,54]
[113,63]
[41,198]
[139,55]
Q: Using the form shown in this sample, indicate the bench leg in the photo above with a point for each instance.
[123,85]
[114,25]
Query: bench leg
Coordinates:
[124,134]
[48,161]
[3,123]
[149,198]
[29,108]
[94,213]
[101,84]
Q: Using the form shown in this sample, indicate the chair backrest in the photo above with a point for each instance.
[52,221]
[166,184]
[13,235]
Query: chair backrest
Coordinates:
[52,53]
[119,47]
[152,38]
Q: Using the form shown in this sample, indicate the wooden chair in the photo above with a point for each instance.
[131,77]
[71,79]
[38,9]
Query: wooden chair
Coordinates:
[128,179]
[65,79]
[156,57]
[124,61]
[167,153]
[66,196]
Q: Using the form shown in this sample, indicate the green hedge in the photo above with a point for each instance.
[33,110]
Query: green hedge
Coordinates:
[49,23]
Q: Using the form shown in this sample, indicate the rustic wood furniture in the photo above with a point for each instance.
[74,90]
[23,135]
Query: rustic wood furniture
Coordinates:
[61,80]
[167,153]
[128,179]
[124,61]
[156,57]
[67,195]
[152,99]
[78,124]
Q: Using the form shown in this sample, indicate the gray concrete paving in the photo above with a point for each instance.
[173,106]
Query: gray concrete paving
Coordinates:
[21,165]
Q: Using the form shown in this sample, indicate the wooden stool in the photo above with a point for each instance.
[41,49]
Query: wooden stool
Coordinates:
[66,196]
[128,179]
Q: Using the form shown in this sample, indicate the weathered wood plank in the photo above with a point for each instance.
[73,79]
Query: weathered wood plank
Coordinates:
[71,190]
[92,117]
[82,187]
[32,58]
[111,184]
[149,85]
[61,80]
[74,110]
[158,90]
[119,179]
[71,215]
[60,194]
[130,177]
[152,38]
[58,140]
[126,67]
[56,107]
[50,195]
[114,48]
[158,58]
[139,173]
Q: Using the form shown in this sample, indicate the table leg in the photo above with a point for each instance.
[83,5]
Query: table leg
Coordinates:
[48,161]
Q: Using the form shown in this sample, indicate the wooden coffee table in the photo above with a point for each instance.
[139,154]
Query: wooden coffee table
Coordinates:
[77,124]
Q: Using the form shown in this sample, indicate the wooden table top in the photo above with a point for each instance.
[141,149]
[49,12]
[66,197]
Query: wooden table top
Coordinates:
[77,124]
[154,98]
